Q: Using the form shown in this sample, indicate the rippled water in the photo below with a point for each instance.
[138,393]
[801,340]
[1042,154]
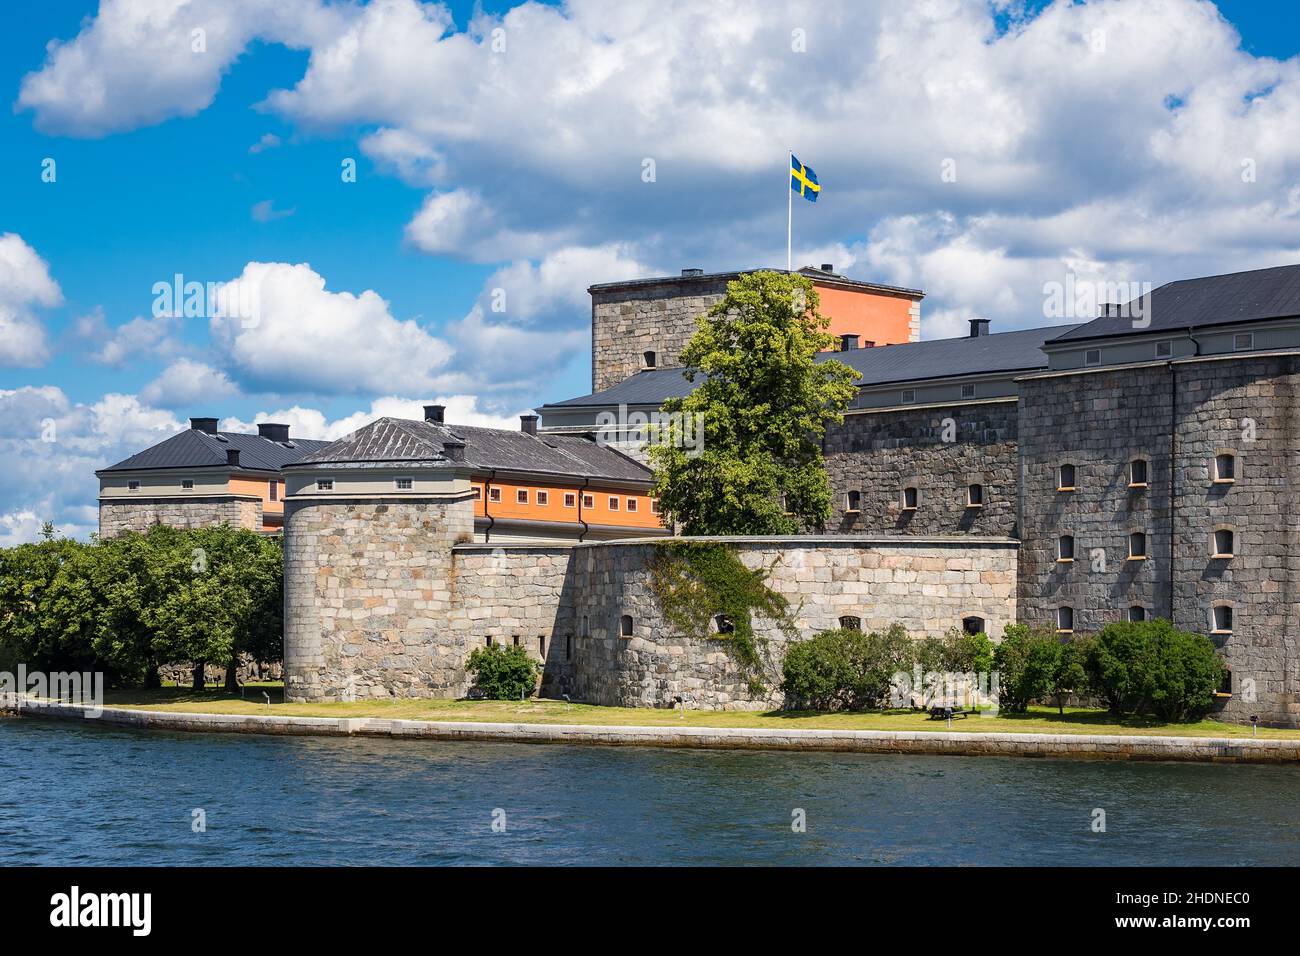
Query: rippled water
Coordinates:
[78,795]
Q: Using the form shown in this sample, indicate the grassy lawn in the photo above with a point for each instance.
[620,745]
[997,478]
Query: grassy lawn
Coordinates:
[1038,720]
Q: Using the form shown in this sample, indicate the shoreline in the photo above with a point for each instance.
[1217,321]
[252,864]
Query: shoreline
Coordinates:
[966,743]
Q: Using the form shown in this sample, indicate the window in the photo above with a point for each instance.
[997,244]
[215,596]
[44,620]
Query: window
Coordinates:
[404,484]
[543,498]
[654,506]
[625,625]
[613,503]
[324,484]
[272,489]
[851,623]
[649,358]
[908,396]
[968,391]
[187,484]
[1225,467]
[521,496]
[1064,620]
[1221,619]
[1223,543]
[853,501]
[973,624]
[589,501]
[1164,349]
[133,486]
[724,624]
[975,496]
[1225,688]
[1092,357]
[568,647]
[516,640]
[494,495]
[1243,340]
[570,499]
[631,504]
[477,492]
[489,641]
[1065,478]
[1065,548]
[1137,546]
[910,498]
[1137,473]
[1137,613]
[541,645]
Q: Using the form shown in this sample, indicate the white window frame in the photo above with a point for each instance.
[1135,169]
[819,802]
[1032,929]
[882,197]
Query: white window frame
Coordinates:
[1088,356]
[494,496]
[133,484]
[521,496]
[543,498]
[324,484]
[410,484]
[570,499]
[1168,349]
[1236,341]
[612,502]
[907,396]
[187,484]
[630,506]
[1214,618]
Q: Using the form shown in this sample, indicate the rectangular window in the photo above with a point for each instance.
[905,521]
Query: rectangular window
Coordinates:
[404,484]
[974,496]
[613,503]
[1225,467]
[541,646]
[324,484]
[589,501]
[1137,613]
[570,499]
[187,484]
[908,396]
[1222,619]
[1092,357]
[1137,546]
[543,498]
[521,496]
[1064,619]
[910,498]
[1164,349]
[654,506]
[631,504]
[853,501]
[568,647]
[968,391]
[494,494]
[1065,478]
[1223,543]
[1065,548]
[133,486]
[1242,341]
[1137,473]
[477,492]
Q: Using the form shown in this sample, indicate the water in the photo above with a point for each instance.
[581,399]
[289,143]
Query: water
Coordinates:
[86,795]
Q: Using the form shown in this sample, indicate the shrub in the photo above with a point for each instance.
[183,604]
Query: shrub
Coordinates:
[503,673]
[845,669]
[1037,665]
[969,653]
[1152,667]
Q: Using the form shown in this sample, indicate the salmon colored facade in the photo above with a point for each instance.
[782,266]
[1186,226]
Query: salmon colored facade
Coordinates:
[565,504]
[880,318]
[272,499]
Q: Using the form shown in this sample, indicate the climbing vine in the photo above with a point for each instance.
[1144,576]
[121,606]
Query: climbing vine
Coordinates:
[697,582]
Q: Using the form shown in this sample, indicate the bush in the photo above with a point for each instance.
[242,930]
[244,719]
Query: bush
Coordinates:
[503,673]
[1152,667]
[845,669]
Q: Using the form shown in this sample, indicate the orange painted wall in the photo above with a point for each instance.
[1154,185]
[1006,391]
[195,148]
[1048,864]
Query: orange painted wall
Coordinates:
[261,488]
[554,509]
[883,319]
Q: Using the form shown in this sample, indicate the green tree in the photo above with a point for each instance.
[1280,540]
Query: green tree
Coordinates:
[31,630]
[503,673]
[1026,661]
[764,407]
[1152,667]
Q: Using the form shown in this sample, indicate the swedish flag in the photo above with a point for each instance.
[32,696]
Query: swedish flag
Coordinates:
[803,180]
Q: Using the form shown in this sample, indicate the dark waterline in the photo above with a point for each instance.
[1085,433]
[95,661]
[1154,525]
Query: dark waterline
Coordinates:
[79,795]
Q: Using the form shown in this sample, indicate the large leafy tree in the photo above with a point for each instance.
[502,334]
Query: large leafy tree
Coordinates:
[764,407]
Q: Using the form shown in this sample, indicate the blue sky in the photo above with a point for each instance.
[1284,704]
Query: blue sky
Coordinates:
[502,148]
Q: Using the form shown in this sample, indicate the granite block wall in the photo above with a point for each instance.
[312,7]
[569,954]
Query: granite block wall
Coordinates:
[139,514]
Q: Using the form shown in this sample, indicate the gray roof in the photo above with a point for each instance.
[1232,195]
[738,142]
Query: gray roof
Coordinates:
[1009,352]
[1237,297]
[810,271]
[399,440]
[198,449]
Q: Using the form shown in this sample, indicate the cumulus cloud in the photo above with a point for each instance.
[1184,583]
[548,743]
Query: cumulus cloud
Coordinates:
[117,346]
[186,383]
[265,211]
[25,282]
[313,423]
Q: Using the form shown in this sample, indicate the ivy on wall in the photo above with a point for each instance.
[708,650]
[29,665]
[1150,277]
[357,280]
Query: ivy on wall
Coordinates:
[699,582]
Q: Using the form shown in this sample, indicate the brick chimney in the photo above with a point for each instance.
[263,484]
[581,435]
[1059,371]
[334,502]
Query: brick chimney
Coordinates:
[272,431]
[979,327]
[528,424]
[232,457]
[434,413]
[208,425]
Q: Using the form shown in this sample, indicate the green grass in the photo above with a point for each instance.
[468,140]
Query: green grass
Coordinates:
[1038,720]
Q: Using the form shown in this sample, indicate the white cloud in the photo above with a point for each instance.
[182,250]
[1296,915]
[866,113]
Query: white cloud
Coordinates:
[24,282]
[186,383]
[140,338]
[265,211]
[268,141]
[312,423]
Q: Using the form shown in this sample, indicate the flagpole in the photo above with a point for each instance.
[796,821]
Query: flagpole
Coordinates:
[789,210]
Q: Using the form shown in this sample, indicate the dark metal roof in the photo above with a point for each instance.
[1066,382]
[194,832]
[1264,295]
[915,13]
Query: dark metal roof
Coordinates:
[1258,295]
[198,449]
[400,440]
[883,365]
[809,271]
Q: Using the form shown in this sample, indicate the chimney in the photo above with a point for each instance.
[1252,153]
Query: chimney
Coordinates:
[528,424]
[848,342]
[692,272]
[208,425]
[454,450]
[232,457]
[827,267]
[273,432]
[979,327]
[434,413]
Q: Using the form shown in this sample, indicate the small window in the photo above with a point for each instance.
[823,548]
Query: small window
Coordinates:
[404,484]
[477,492]
[724,624]
[973,624]
[541,646]
[273,490]
[1225,467]
[1137,613]
[968,391]
[1221,619]
[568,647]
[1137,473]
[975,496]
[543,498]
[133,485]
[649,359]
[625,625]
[516,640]
[324,484]
[187,484]
[910,498]
[494,494]
[853,501]
[613,503]
[851,623]
[1137,546]
[1064,620]
[521,496]
[1223,543]
[908,396]
[1092,357]
[631,504]
[1065,548]
[1164,349]
[1065,478]
[1225,688]
[654,506]
[1242,341]
[488,641]
[570,499]
[589,501]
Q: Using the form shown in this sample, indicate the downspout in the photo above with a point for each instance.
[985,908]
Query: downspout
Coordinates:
[583,533]
[487,496]
[1173,461]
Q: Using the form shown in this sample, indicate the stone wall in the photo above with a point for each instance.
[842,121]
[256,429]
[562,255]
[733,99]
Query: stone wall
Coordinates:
[368,596]
[140,514]
[927,585]
[941,451]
